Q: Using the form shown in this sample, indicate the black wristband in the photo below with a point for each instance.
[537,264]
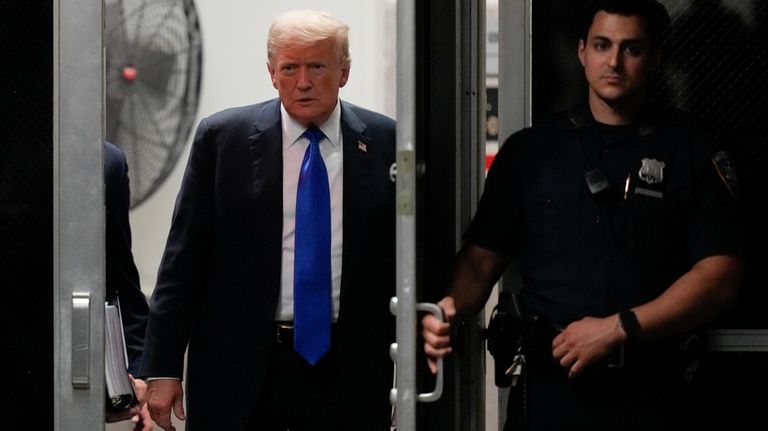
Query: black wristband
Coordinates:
[630,325]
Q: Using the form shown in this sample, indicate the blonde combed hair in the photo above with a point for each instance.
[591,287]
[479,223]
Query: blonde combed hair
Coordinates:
[307,26]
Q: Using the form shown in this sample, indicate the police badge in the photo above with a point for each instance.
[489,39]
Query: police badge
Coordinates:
[652,171]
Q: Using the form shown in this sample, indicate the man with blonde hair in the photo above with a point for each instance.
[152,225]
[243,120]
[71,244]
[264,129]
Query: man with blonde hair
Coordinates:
[287,325]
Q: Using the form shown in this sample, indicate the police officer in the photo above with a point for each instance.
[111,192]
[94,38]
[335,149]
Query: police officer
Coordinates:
[625,226]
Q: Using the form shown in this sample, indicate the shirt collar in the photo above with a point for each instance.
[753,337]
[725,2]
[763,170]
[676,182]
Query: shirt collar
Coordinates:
[292,129]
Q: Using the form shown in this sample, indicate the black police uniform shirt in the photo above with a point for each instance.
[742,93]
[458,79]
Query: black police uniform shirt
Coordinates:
[583,254]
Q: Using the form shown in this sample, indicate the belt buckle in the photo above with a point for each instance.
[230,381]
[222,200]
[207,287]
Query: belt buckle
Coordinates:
[616,359]
[279,327]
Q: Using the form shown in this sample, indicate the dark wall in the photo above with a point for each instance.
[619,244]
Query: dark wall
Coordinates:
[716,70]
[26,215]
[446,181]
[435,137]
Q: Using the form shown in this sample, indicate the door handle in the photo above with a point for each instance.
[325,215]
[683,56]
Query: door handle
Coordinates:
[81,339]
[437,392]
[429,397]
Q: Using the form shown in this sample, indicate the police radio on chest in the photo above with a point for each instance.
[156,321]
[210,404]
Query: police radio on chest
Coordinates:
[600,187]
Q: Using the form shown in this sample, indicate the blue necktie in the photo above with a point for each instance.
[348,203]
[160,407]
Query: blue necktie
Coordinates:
[312,258]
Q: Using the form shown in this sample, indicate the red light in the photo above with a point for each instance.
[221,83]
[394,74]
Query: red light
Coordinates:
[130,73]
[489,161]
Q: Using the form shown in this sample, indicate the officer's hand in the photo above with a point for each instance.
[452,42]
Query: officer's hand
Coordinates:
[437,334]
[136,413]
[585,342]
[162,395]
[140,416]
[143,421]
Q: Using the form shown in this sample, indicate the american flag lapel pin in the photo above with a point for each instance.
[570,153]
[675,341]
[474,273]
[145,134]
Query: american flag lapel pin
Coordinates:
[362,147]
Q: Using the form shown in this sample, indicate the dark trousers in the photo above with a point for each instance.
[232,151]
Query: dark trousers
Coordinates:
[651,397]
[296,396]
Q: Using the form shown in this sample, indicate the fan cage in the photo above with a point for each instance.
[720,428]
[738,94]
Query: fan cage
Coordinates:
[154,59]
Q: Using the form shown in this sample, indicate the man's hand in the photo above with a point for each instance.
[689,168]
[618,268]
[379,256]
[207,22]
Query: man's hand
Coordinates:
[587,341]
[162,395]
[437,334]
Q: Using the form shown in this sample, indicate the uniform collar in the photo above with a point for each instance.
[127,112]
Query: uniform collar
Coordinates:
[580,118]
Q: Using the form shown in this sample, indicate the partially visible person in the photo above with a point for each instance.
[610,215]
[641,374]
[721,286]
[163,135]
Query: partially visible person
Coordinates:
[122,275]
[248,239]
[625,224]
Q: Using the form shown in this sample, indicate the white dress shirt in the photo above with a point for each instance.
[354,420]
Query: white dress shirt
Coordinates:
[294,146]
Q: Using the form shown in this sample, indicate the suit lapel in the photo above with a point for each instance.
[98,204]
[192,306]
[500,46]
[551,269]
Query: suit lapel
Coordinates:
[356,191]
[266,148]
[266,208]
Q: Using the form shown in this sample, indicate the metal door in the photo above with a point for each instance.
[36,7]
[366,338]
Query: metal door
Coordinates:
[78,204]
[441,95]
[51,216]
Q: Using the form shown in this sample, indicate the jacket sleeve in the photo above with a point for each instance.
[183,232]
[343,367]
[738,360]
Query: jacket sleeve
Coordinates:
[121,273]
[182,271]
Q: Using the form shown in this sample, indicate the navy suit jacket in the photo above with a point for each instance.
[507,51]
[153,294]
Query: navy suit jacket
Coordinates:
[122,275]
[219,280]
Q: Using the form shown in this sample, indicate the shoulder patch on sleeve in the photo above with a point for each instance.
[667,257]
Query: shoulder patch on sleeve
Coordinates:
[727,172]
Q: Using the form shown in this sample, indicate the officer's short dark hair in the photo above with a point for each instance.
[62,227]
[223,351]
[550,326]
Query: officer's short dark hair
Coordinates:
[657,21]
